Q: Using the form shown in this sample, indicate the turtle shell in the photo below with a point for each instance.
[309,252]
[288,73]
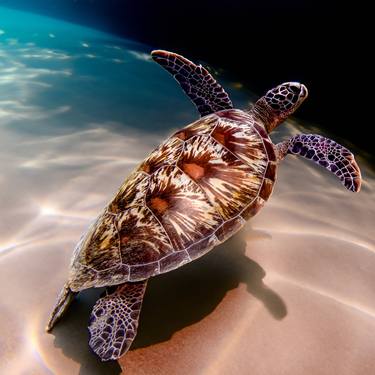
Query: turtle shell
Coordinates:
[194,191]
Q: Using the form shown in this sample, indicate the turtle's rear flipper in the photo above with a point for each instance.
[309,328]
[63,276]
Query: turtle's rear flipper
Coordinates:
[64,299]
[196,81]
[114,320]
[327,153]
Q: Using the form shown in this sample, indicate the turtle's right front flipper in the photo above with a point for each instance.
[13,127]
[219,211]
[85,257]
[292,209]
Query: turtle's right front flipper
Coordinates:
[114,320]
[327,153]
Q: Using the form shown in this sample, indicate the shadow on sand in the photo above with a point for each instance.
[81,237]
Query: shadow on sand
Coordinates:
[173,301]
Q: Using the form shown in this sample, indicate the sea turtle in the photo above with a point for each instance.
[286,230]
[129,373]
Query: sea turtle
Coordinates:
[190,194]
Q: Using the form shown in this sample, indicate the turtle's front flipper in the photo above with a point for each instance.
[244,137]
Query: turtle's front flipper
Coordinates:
[327,153]
[114,320]
[64,299]
[196,81]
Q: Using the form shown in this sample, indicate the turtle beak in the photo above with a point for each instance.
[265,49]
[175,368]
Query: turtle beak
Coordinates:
[303,93]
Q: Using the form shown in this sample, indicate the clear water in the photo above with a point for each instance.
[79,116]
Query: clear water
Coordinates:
[78,110]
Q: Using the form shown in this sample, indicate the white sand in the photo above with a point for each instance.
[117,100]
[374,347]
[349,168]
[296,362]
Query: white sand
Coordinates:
[292,293]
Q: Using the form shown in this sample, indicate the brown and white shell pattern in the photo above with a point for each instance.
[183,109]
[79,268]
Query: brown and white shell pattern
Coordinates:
[194,191]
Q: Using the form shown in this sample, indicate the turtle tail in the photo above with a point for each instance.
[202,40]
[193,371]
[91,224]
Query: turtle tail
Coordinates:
[64,300]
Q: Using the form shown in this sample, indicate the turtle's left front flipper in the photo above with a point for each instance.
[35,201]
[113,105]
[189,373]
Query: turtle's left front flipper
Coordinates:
[196,81]
[327,153]
[114,320]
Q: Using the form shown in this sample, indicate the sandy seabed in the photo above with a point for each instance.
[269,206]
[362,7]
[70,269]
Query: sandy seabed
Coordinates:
[292,293]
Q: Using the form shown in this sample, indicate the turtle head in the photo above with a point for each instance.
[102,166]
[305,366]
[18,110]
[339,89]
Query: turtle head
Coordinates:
[279,103]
